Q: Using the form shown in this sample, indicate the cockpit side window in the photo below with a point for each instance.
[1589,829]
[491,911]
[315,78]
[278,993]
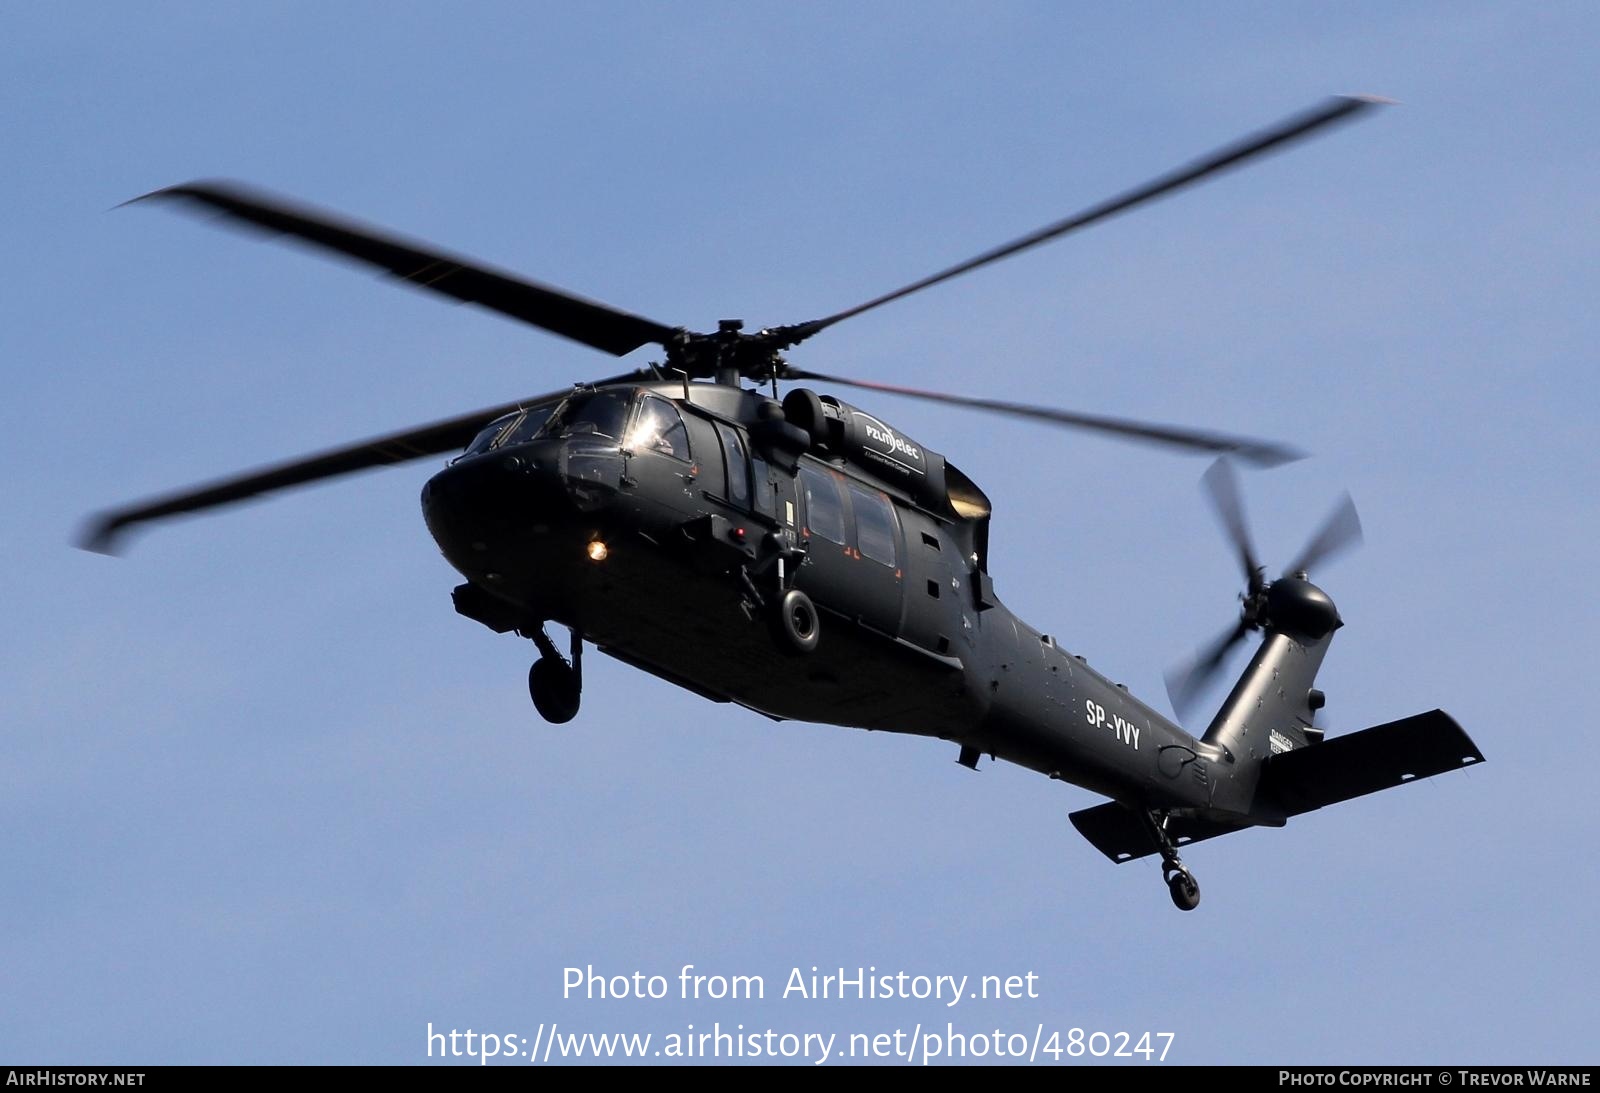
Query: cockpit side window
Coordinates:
[658,427]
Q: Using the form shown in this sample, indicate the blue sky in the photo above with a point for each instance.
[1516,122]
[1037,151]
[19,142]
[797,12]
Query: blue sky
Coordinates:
[268,799]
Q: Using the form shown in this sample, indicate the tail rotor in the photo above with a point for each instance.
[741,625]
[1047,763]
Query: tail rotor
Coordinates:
[1291,601]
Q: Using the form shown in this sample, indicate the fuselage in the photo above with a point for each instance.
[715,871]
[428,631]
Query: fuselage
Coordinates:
[656,520]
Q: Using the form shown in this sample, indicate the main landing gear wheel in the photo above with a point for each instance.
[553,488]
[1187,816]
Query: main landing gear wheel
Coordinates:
[795,625]
[555,685]
[555,690]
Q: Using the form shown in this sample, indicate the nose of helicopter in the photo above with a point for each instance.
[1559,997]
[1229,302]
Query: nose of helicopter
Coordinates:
[479,502]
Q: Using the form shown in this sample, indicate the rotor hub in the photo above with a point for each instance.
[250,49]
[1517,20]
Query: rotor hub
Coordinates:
[730,354]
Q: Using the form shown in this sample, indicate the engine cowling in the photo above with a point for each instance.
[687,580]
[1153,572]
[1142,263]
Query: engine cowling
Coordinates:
[838,429]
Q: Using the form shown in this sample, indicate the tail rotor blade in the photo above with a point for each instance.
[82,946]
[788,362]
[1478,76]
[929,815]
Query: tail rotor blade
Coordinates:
[1186,681]
[1222,487]
[1339,532]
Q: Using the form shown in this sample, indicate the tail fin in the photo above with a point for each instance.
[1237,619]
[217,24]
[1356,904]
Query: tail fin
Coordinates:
[1271,708]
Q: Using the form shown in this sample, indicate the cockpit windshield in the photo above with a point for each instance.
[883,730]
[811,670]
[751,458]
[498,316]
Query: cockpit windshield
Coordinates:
[587,413]
[528,427]
[511,429]
[491,433]
[592,413]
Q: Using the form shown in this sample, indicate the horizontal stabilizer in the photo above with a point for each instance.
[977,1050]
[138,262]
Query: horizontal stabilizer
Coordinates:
[1364,762]
[1302,780]
[1119,833]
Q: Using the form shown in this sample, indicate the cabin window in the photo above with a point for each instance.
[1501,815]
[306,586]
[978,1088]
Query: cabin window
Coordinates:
[824,506]
[761,486]
[874,524]
[658,427]
[733,460]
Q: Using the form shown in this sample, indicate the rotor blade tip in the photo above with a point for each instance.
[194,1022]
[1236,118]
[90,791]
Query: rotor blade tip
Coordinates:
[153,194]
[205,191]
[1372,100]
[1275,456]
[99,537]
[165,193]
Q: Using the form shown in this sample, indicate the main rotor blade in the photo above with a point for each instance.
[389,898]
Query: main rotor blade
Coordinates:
[1278,136]
[1184,683]
[1222,487]
[560,312]
[103,530]
[1339,532]
[1261,453]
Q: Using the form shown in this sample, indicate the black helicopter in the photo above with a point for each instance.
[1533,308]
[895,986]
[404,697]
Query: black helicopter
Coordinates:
[806,560]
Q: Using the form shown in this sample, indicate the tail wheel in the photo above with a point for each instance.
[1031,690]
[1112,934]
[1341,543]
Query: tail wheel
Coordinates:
[795,625]
[1184,888]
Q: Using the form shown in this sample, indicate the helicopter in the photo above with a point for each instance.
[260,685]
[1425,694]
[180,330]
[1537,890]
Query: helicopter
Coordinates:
[807,560]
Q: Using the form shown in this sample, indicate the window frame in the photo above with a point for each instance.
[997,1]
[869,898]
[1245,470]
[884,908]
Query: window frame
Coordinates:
[732,443]
[865,497]
[644,401]
[811,470]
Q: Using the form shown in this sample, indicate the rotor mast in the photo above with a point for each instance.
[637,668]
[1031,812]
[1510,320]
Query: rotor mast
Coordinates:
[729,342]
[729,355]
